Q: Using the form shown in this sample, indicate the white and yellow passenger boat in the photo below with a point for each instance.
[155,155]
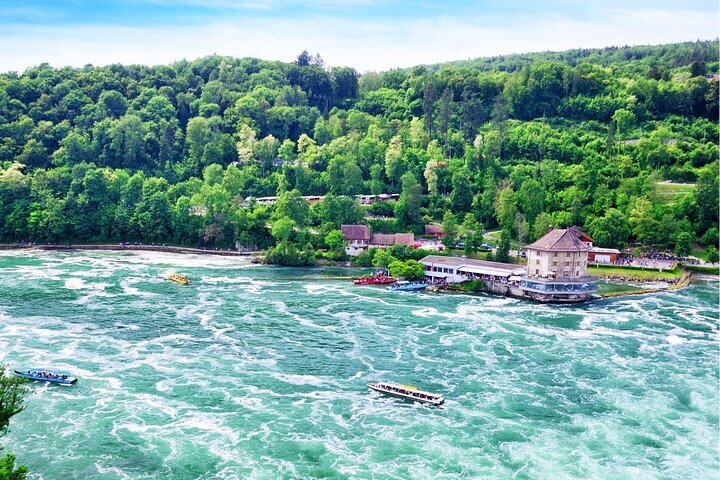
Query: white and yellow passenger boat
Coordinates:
[407,391]
[179,278]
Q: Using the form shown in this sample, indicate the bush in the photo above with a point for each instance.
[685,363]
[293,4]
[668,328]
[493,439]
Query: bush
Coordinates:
[286,253]
[383,209]
[409,269]
[364,259]
[472,286]
[710,237]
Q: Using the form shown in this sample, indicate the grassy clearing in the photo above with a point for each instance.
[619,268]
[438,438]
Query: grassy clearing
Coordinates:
[675,188]
[673,192]
[635,273]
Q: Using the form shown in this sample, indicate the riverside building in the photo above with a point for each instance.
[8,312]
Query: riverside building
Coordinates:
[556,271]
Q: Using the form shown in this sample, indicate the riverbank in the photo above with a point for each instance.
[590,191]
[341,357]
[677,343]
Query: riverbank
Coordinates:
[128,247]
[636,274]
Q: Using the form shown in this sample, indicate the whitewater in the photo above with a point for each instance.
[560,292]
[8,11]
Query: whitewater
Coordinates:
[261,372]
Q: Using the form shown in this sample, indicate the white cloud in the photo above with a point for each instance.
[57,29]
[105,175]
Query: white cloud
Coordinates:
[366,46]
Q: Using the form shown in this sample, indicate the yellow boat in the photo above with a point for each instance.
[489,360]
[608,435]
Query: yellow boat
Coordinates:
[179,278]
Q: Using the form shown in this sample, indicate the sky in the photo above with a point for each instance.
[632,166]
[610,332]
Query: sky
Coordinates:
[365,34]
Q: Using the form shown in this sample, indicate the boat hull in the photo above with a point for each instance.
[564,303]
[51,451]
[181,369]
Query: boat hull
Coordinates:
[407,288]
[181,281]
[374,280]
[432,399]
[70,380]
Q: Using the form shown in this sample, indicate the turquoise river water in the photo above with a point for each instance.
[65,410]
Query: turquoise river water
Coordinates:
[261,372]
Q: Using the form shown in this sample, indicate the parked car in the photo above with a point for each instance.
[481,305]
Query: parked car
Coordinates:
[485,246]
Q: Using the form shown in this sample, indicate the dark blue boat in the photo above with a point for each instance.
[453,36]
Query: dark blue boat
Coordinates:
[46,375]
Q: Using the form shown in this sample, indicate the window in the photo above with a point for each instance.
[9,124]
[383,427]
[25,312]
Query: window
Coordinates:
[554,254]
[537,262]
[537,271]
[567,264]
[555,264]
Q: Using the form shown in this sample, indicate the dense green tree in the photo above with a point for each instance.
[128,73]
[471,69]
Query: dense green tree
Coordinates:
[407,208]
[503,250]
[506,208]
[450,229]
[12,401]
[712,254]
[382,259]
[707,196]
[579,137]
[408,269]
[461,197]
[611,230]
[291,205]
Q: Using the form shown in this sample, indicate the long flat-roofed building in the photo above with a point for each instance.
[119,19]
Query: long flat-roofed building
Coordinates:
[456,269]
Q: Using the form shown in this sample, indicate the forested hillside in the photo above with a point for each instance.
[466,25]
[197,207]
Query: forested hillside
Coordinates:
[168,154]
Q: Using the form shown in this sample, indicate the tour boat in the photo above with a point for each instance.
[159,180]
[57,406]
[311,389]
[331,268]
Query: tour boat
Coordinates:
[46,375]
[404,286]
[380,278]
[179,278]
[406,391]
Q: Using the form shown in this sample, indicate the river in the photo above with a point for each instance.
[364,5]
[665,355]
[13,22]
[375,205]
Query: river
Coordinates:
[261,372]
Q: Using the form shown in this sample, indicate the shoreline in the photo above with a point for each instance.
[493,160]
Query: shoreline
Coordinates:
[129,248]
[681,282]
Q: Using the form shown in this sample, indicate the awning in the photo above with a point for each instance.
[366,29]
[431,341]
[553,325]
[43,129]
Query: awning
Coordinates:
[495,272]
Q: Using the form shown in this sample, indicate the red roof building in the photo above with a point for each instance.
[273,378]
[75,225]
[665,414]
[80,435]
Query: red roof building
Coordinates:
[434,230]
[356,234]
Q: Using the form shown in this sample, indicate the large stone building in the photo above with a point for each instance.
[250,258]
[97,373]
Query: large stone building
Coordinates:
[560,253]
[557,267]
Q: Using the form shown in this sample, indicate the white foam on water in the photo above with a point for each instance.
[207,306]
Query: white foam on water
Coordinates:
[296,379]
[425,312]
[675,340]
[75,284]
[111,470]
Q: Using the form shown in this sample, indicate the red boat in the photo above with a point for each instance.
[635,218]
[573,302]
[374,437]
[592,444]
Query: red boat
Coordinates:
[380,278]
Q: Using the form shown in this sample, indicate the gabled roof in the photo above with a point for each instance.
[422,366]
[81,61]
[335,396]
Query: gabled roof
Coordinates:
[433,230]
[382,239]
[404,238]
[355,232]
[584,237]
[561,240]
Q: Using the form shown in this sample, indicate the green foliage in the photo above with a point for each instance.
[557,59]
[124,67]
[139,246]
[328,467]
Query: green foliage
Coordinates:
[335,244]
[288,254]
[364,258]
[12,401]
[12,398]
[503,251]
[8,471]
[170,153]
[472,286]
[382,259]
[408,269]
